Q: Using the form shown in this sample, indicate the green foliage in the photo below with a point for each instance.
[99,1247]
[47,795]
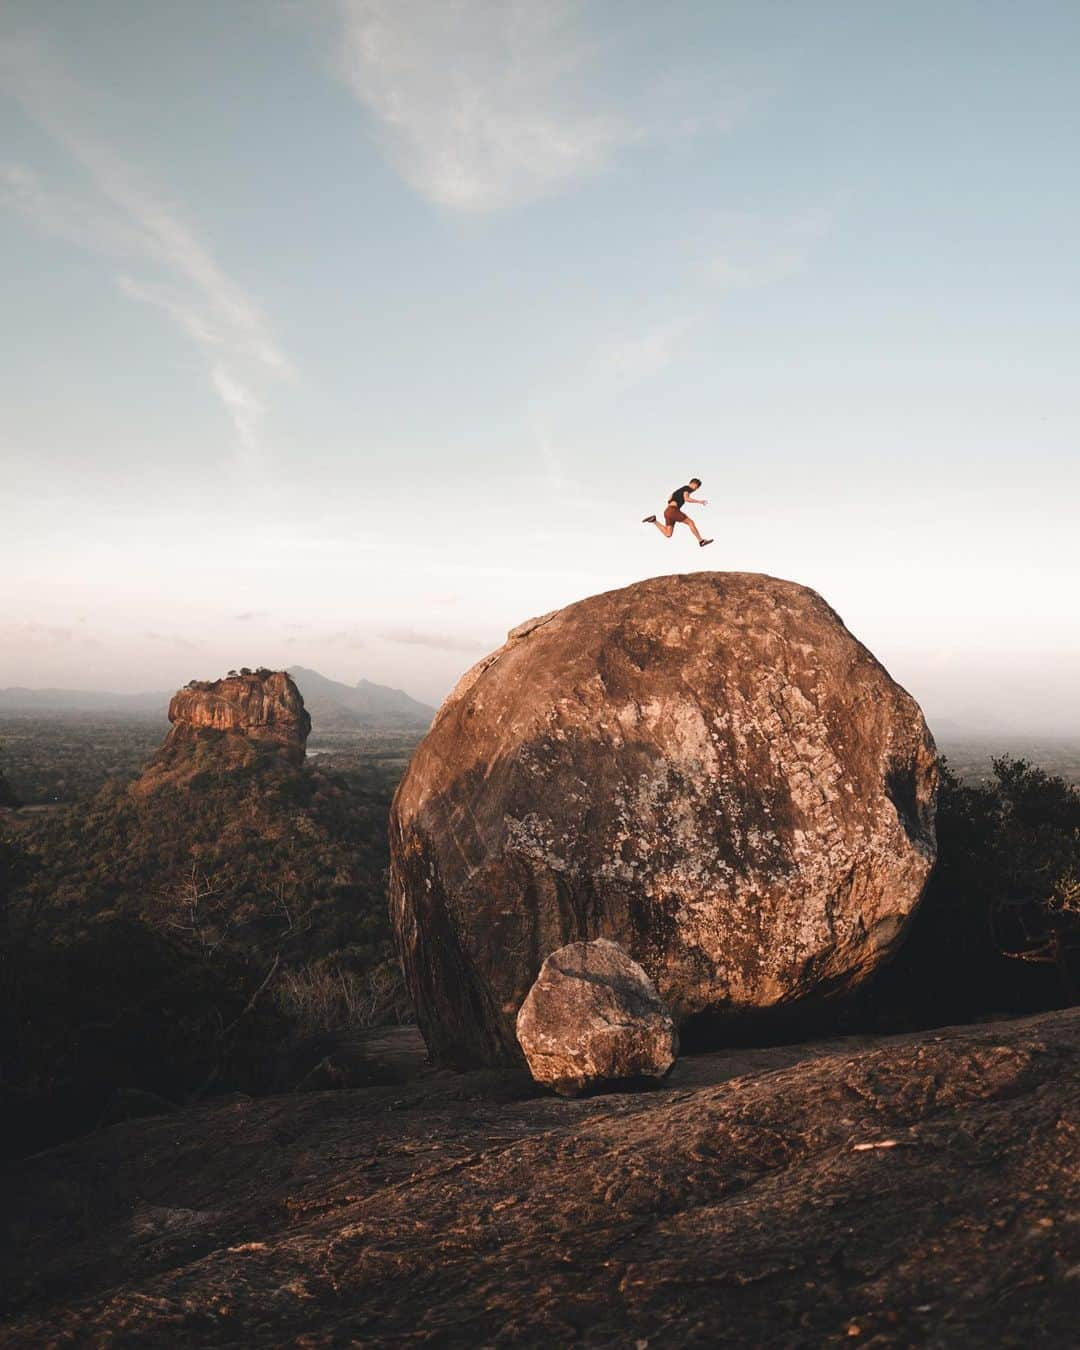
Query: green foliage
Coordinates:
[14,871]
[337,994]
[291,861]
[118,1004]
[66,757]
[186,933]
[998,929]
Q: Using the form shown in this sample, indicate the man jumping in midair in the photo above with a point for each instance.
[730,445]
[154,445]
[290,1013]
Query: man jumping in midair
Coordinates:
[673,512]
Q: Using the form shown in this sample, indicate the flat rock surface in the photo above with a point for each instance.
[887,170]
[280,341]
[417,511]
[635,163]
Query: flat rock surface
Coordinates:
[917,1190]
[707,769]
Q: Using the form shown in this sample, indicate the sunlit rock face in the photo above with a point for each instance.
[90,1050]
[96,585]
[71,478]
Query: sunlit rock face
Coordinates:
[225,722]
[594,1018]
[708,769]
[264,706]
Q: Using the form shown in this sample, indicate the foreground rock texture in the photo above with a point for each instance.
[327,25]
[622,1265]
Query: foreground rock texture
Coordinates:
[920,1190]
[707,769]
[260,710]
[593,1017]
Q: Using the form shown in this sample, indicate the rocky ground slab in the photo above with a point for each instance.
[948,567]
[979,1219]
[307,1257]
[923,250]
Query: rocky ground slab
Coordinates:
[921,1190]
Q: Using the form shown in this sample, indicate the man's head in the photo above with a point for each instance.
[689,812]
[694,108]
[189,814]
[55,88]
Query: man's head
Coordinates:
[695,483]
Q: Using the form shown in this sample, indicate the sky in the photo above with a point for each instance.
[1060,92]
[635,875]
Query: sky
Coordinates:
[352,334]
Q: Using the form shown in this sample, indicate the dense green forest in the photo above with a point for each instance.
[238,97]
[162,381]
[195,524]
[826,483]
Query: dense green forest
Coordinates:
[998,928]
[66,757]
[204,935]
[62,757]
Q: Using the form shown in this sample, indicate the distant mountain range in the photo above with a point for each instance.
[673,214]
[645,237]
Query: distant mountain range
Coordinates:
[364,703]
[18,699]
[329,702]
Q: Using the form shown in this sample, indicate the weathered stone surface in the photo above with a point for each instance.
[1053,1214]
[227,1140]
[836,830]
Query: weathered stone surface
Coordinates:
[707,769]
[918,1190]
[265,705]
[263,709]
[592,1017]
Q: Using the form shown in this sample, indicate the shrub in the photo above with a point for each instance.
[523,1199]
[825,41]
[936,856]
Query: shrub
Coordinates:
[116,1005]
[328,996]
[998,930]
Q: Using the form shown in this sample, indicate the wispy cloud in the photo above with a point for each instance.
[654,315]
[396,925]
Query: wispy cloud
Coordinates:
[344,637]
[119,217]
[480,103]
[45,634]
[628,360]
[558,480]
[734,251]
[170,640]
[488,104]
[69,216]
[441,642]
[748,251]
[244,408]
[178,306]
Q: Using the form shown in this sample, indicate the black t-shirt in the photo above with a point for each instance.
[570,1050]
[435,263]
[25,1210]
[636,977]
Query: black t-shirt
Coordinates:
[680,495]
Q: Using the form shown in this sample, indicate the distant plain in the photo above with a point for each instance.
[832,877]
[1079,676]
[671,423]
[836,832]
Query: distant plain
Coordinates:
[62,756]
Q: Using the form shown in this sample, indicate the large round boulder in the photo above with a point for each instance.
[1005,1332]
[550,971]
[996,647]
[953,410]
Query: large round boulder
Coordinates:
[708,769]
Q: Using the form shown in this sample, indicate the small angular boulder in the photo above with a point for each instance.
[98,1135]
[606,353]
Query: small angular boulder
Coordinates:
[592,1017]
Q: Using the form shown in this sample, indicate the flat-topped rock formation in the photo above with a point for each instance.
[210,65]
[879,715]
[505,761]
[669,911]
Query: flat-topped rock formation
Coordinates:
[707,769]
[265,706]
[259,710]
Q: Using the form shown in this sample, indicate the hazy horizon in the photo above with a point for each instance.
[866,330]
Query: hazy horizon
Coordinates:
[351,335]
[956,720]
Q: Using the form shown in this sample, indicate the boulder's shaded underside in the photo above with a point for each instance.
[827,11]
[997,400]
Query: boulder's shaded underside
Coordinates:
[707,769]
[917,1190]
